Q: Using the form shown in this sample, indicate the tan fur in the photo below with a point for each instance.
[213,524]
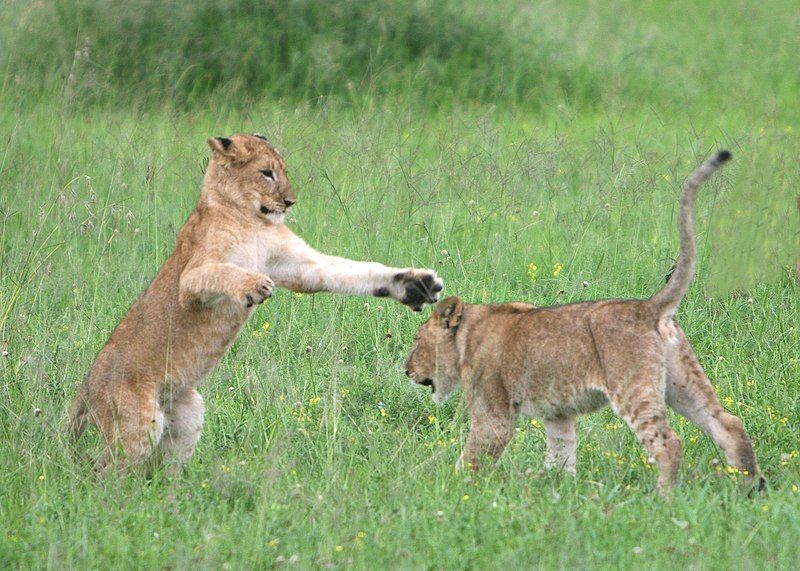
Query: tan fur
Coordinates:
[558,362]
[230,254]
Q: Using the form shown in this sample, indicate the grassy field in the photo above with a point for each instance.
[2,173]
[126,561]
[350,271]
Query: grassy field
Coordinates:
[559,139]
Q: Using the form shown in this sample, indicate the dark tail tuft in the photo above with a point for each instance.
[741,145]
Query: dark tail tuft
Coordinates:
[722,157]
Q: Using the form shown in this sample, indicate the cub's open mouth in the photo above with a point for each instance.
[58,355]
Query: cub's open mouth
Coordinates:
[428,383]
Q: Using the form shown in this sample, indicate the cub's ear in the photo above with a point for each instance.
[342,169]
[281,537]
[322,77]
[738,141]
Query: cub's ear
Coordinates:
[449,312]
[222,146]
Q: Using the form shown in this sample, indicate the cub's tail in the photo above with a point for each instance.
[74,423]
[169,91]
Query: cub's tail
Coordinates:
[78,415]
[667,300]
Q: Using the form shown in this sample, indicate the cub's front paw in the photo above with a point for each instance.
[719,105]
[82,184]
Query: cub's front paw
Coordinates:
[255,290]
[415,288]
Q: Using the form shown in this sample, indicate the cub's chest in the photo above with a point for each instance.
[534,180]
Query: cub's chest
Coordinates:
[251,253]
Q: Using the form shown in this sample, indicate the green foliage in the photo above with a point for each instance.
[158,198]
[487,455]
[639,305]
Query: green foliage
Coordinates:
[300,49]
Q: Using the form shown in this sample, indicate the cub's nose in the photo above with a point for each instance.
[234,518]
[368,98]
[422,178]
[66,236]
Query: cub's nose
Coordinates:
[408,373]
[289,200]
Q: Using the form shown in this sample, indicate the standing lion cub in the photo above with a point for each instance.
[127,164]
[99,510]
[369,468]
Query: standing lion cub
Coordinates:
[557,362]
[233,249]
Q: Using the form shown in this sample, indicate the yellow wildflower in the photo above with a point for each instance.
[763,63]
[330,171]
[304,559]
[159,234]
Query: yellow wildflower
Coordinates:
[557,270]
[532,271]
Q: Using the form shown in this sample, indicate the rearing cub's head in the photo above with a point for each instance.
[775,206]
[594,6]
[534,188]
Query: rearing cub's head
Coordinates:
[247,172]
[434,359]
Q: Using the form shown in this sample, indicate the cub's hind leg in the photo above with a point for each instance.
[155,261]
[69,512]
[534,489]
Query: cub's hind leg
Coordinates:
[690,393]
[633,363]
[132,424]
[561,443]
[645,412]
[182,428]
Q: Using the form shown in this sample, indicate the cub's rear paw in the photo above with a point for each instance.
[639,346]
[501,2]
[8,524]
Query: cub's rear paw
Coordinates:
[256,289]
[415,288]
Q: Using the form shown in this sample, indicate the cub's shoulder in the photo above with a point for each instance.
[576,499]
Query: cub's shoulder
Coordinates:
[510,308]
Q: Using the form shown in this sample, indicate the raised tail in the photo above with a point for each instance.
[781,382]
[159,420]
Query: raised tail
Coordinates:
[667,300]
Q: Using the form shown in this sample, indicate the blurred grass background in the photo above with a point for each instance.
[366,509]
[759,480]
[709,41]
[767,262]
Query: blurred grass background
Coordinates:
[470,137]
[727,73]
[145,50]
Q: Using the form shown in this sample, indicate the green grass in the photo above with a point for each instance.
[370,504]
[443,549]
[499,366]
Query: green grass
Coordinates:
[329,457]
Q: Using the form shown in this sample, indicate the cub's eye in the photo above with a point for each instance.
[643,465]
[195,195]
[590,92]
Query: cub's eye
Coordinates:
[270,174]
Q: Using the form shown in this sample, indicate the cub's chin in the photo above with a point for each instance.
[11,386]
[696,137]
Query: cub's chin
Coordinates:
[276,217]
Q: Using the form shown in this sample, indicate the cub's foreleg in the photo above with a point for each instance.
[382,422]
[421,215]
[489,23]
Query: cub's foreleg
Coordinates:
[299,267]
[206,283]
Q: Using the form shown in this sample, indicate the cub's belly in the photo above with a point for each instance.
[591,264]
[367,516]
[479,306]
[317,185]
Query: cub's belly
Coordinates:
[189,352]
[571,403]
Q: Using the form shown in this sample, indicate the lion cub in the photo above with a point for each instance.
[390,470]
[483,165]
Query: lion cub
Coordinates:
[230,254]
[557,362]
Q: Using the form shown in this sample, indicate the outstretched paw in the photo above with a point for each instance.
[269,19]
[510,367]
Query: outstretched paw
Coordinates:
[256,290]
[417,287]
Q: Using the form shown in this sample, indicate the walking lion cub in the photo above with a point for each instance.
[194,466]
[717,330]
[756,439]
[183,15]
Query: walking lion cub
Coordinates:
[230,254]
[557,362]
